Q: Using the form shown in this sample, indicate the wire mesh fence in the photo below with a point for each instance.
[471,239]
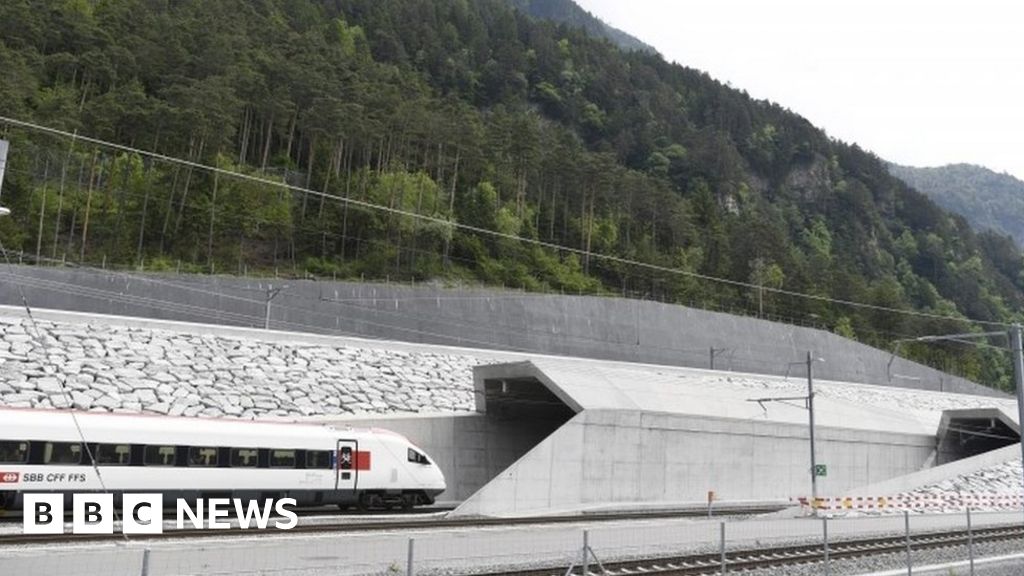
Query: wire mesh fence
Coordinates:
[899,543]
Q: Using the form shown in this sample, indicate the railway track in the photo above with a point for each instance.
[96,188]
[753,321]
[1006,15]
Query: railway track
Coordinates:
[404,523]
[780,557]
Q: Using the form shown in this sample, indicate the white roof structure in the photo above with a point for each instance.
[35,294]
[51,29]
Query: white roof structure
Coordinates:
[590,384]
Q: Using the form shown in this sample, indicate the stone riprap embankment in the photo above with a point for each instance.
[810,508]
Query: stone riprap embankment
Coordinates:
[130,369]
[988,489]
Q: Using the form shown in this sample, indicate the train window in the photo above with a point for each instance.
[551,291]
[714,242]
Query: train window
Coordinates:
[114,454]
[202,456]
[318,459]
[282,458]
[245,457]
[160,455]
[13,451]
[62,453]
[418,458]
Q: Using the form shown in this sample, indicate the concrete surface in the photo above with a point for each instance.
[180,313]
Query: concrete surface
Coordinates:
[632,457]
[592,327]
[937,474]
[643,434]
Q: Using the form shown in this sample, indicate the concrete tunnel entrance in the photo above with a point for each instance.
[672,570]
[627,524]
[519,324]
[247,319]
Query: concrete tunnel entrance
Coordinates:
[970,432]
[553,436]
[519,414]
[513,416]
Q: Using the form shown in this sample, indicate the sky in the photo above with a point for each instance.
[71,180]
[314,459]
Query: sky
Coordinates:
[917,82]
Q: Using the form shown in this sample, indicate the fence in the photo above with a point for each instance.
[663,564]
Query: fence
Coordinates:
[596,545]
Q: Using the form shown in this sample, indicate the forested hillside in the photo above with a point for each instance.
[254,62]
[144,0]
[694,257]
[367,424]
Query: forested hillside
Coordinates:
[474,114]
[989,200]
[569,13]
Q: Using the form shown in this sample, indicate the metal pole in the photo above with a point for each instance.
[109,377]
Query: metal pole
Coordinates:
[1018,374]
[906,527]
[824,534]
[712,357]
[586,549]
[970,540]
[721,546]
[810,412]
[409,569]
[266,319]
[145,562]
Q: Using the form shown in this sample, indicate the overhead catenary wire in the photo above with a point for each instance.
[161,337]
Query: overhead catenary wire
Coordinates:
[36,334]
[485,231]
[251,320]
[768,358]
[355,305]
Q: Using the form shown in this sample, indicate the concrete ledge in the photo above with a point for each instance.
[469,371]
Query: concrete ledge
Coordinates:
[937,474]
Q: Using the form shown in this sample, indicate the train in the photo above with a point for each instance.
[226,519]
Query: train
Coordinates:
[50,451]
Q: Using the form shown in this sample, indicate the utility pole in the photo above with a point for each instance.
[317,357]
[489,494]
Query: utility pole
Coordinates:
[809,403]
[810,413]
[1017,354]
[271,294]
[1016,357]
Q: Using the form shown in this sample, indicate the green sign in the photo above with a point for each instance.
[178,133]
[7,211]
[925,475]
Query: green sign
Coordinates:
[820,470]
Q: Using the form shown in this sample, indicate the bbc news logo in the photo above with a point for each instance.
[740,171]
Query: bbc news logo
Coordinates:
[144,514]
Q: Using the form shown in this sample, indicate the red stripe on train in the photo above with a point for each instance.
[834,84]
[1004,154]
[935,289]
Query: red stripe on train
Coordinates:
[362,460]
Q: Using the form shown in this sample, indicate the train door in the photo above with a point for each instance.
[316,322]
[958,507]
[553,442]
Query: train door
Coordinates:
[348,473]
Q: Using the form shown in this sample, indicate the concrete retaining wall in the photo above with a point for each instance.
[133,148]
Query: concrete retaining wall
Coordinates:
[603,457]
[605,328]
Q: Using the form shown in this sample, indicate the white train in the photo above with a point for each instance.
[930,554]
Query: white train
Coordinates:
[42,451]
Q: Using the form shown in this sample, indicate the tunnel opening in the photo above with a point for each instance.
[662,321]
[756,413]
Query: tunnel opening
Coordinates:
[971,434]
[520,413]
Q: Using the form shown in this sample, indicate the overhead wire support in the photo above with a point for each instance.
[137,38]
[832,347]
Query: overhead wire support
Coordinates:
[809,406]
[1015,335]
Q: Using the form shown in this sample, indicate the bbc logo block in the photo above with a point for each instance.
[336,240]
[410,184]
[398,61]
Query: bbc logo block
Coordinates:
[94,513]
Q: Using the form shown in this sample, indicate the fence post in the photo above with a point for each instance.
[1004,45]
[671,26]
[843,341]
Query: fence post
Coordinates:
[145,562]
[970,540]
[906,528]
[585,564]
[721,545]
[824,533]
[409,567]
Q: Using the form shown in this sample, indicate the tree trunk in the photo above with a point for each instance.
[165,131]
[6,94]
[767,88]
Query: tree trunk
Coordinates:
[60,195]
[42,212]
[590,233]
[348,183]
[266,143]
[170,204]
[213,215]
[244,144]
[142,223]
[332,168]
[88,205]
[291,135]
[554,213]
[309,174]
[74,213]
[184,193]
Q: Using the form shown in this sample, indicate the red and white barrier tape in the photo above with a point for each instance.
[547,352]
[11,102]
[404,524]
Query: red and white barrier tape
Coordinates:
[915,502]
